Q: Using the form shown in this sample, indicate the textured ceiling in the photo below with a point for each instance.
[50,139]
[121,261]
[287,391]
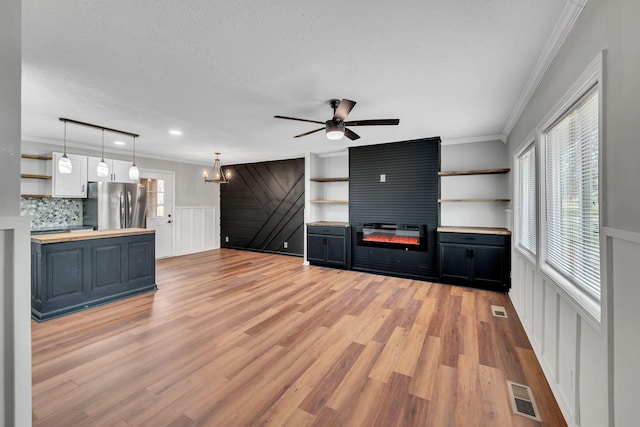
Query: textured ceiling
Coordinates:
[220,70]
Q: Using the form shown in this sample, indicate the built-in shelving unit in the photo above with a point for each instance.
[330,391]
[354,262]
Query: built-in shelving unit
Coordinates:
[328,188]
[478,186]
[36,176]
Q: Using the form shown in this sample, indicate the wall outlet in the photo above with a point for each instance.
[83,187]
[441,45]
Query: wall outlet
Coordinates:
[383,177]
[286,245]
[226,239]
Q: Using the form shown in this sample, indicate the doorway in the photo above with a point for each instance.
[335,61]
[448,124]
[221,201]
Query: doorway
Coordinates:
[159,212]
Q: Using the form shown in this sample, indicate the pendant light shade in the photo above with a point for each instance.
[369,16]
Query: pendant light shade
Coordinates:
[134,172]
[218,175]
[64,164]
[103,168]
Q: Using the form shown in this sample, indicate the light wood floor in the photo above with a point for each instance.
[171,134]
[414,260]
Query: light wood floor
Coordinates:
[236,338]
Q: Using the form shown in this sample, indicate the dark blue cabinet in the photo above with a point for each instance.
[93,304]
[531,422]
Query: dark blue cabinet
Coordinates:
[329,246]
[479,260]
[74,275]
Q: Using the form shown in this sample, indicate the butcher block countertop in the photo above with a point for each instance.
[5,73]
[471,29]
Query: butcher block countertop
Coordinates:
[86,235]
[477,230]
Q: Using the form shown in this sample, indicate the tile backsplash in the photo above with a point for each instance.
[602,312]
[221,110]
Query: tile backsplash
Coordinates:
[52,211]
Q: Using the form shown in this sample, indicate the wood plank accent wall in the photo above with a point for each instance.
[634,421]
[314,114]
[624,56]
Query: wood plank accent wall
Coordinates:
[262,207]
[409,195]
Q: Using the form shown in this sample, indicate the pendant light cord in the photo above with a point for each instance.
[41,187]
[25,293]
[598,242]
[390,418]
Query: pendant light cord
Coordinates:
[65,137]
[102,145]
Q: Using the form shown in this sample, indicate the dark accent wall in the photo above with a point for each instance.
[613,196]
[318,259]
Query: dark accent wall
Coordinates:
[263,206]
[409,195]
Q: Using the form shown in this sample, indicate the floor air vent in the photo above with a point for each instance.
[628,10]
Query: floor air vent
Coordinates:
[522,401]
[498,311]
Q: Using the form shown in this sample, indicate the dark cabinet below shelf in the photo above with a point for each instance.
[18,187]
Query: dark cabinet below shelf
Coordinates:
[477,260]
[329,246]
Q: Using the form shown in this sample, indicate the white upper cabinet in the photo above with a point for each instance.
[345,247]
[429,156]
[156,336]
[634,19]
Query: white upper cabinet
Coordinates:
[118,170]
[73,184]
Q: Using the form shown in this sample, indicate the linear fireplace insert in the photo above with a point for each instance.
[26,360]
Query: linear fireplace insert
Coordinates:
[409,237]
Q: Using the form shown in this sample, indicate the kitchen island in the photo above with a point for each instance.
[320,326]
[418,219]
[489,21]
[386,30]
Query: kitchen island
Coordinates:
[75,271]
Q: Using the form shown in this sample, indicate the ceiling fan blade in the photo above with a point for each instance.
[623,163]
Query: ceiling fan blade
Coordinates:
[344,108]
[375,122]
[310,132]
[351,134]
[300,120]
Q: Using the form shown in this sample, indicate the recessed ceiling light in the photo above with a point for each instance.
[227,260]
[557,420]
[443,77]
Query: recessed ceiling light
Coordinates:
[175,132]
[119,143]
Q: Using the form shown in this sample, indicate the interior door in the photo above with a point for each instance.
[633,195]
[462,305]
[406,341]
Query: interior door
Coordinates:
[160,209]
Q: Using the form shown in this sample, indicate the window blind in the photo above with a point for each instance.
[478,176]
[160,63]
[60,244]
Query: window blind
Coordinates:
[527,200]
[572,211]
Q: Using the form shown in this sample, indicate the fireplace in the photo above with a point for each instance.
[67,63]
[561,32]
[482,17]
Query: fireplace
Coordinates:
[408,237]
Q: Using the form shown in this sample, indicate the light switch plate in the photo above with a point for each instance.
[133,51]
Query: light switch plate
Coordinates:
[383,177]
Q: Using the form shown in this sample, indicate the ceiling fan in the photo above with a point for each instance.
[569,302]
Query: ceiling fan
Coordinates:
[336,126]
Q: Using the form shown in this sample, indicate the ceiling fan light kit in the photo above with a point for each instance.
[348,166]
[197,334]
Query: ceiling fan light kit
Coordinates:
[335,128]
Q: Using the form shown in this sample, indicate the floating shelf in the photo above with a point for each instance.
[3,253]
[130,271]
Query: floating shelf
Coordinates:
[329,201]
[336,179]
[36,196]
[34,176]
[473,200]
[474,172]
[35,157]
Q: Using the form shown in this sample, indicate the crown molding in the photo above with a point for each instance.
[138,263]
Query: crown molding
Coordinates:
[566,21]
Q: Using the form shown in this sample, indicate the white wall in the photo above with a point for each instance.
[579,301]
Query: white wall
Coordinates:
[476,155]
[15,333]
[602,357]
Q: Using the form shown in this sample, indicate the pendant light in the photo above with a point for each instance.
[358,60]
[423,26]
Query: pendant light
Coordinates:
[134,172]
[64,164]
[103,168]
[218,175]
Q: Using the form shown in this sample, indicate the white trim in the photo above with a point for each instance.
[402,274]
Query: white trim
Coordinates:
[455,141]
[144,171]
[620,234]
[576,296]
[529,141]
[566,21]
[17,318]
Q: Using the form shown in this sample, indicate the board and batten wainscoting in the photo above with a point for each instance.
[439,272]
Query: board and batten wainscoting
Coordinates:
[197,229]
[570,344]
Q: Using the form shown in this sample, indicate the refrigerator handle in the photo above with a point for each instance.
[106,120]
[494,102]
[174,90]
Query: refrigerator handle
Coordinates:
[130,207]
[122,207]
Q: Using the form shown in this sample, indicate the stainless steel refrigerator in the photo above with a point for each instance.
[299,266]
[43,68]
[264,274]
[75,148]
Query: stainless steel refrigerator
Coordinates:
[113,205]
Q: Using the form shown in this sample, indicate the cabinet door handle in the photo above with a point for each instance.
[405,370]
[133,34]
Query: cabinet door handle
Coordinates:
[470,253]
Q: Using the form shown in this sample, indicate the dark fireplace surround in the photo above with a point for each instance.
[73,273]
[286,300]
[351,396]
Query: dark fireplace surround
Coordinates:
[393,208]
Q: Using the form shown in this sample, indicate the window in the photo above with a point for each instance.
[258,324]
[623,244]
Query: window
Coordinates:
[527,200]
[571,195]
[155,197]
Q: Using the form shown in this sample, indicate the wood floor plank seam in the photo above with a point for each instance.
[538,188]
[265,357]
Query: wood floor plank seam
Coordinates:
[238,338]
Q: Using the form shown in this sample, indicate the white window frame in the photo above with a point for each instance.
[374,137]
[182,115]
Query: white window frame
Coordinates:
[591,77]
[530,144]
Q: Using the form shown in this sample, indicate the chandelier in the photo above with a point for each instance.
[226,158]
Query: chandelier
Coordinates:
[217,174]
